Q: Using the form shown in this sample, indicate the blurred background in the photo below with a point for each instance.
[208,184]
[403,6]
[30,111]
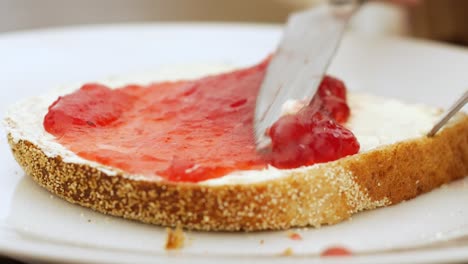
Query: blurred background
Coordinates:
[443,20]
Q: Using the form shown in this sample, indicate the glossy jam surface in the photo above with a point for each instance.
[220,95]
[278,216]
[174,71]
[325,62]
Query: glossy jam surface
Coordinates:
[195,130]
[314,134]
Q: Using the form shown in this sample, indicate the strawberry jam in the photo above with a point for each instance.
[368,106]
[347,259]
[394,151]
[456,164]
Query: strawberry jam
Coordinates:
[314,134]
[196,130]
[336,252]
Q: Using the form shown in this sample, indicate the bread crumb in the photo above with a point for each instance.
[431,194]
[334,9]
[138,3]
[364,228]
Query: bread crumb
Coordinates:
[175,238]
[294,236]
[262,242]
[287,252]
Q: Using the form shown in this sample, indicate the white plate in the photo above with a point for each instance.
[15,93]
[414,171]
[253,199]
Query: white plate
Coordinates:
[36,226]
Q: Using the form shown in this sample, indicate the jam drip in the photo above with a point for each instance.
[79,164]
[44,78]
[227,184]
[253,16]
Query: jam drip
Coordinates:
[190,131]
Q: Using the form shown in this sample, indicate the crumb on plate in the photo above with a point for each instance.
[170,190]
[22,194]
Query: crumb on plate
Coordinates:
[175,238]
[287,252]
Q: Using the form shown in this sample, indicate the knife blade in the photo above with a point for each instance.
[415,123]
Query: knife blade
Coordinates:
[310,40]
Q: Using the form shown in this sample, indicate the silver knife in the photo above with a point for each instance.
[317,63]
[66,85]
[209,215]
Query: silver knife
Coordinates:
[302,58]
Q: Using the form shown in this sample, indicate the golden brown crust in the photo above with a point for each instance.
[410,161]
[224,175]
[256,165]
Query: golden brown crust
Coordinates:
[405,170]
[325,194]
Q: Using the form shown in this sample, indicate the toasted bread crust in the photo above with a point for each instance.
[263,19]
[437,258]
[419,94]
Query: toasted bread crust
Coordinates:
[325,194]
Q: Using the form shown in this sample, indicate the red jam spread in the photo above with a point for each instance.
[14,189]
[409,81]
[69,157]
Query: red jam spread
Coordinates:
[196,130]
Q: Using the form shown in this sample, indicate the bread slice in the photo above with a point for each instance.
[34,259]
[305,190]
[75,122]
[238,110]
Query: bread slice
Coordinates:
[397,162]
